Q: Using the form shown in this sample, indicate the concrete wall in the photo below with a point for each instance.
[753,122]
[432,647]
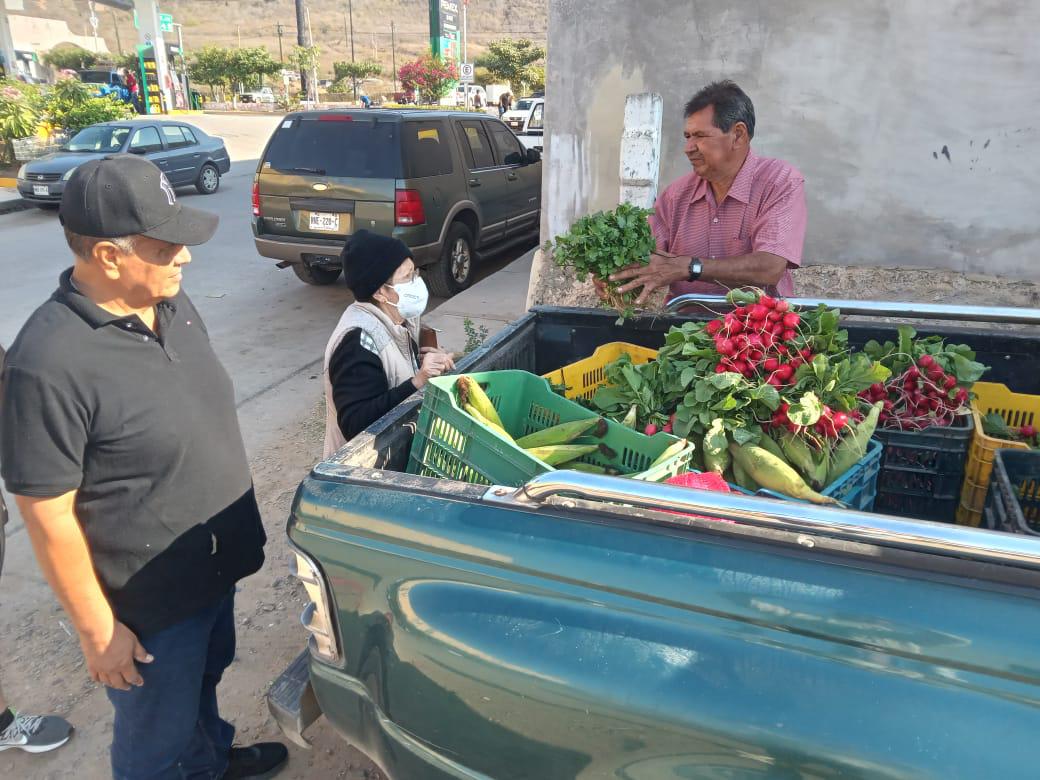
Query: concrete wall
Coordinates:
[915,122]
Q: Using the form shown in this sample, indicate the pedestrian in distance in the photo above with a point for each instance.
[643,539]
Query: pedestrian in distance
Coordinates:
[120,442]
[30,733]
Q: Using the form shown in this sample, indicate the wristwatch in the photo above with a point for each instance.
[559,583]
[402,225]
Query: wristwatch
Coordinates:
[696,267]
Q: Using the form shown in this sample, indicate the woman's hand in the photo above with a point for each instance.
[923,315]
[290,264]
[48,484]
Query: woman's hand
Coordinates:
[434,363]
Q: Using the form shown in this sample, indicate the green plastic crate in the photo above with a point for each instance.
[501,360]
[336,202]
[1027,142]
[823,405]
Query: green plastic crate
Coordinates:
[452,445]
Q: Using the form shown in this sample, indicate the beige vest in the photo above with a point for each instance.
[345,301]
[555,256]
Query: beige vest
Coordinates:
[390,342]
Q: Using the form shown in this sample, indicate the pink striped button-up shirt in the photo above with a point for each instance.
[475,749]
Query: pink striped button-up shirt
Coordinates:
[764,211]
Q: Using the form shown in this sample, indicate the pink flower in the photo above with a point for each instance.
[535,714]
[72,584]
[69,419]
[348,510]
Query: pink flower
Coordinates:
[11,93]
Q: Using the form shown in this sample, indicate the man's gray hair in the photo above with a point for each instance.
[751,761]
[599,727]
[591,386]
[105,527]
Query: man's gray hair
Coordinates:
[83,246]
[731,105]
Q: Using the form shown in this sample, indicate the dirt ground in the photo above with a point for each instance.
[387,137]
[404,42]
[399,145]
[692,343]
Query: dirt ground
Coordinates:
[42,667]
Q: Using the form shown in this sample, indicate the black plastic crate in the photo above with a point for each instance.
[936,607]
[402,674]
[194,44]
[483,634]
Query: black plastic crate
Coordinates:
[921,483]
[917,507]
[941,451]
[1013,501]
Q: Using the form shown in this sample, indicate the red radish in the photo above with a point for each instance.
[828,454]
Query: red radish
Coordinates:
[714,327]
[950,382]
[667,428]
[806,354]
[720,369]
[790,335]
[791,320]
[926,361]
[768,302]
[736,327]
[741,311]
[775,381]
[782,349]
[796,364]
[775,316]
[650,429]
[758,312]
[771,364]
[840,420]
[781,306]
[725,347]
[1027,431]
[784,372]
[740,366]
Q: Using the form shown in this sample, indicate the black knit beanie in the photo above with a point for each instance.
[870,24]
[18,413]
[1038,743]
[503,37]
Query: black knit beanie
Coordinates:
[370,261]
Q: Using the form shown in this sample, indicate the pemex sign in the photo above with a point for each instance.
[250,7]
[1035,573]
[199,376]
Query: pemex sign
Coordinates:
[444,29]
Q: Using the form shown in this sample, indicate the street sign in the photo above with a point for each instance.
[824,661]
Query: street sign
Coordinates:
[466,70]
[166,22]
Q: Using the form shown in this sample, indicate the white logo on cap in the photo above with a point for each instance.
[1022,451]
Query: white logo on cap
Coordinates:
[167,188]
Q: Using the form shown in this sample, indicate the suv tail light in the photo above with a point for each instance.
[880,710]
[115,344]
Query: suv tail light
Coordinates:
[256,198]
[316,617]
[408,208]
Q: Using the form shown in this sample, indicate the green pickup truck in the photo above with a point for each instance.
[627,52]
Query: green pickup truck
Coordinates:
[589,627]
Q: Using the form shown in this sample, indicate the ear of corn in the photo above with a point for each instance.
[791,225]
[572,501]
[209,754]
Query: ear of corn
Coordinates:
[470,392]
[716,456]
[556,454]
[772,473]
[476,415]
[588,468]
[563,433]
[630,418]
[769,444]
[853,447]
[671,452]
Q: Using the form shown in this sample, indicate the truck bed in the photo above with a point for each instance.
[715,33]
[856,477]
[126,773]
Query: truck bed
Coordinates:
[553,632]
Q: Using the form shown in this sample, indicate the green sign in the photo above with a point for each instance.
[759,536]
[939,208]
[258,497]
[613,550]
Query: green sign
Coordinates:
[166,23]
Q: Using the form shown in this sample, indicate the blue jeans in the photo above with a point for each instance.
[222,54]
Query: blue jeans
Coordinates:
[169,728]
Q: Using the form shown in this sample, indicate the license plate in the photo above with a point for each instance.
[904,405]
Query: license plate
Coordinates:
[41,189]
[323,221]
[515,124]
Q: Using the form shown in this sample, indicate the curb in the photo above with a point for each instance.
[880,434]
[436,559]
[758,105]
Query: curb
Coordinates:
[13,205]
[8,182]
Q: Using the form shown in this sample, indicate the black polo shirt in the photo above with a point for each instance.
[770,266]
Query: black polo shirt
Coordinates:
[144,427]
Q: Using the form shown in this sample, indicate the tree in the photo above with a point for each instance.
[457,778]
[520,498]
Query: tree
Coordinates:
[305,59]
[429,76]
[72,105]
[210,65]
[129,61]
[249,66]
[482,76]
[513,61]
[70,56]
[356,71]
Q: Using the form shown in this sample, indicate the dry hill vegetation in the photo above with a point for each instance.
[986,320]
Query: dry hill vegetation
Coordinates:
[255,23]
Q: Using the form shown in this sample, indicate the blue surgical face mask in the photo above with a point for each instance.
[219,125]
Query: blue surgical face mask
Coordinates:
[412,298]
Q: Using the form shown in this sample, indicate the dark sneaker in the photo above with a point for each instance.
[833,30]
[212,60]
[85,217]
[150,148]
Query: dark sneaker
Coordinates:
[35,733]
[262,760]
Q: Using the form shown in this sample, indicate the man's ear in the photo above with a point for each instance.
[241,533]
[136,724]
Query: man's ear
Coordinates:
[107,258]
[740,133]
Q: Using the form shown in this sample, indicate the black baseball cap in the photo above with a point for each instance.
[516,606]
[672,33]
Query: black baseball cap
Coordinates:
[127,195]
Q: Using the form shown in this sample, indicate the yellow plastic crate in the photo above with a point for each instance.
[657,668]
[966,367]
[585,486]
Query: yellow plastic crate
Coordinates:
[1017,409]
[584,377]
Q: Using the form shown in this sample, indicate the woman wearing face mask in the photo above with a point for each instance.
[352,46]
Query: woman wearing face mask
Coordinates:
[373,360]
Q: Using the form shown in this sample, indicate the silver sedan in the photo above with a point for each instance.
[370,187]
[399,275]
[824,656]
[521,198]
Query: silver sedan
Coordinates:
[186,154]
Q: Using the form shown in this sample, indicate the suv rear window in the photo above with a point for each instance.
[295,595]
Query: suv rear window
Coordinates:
[334,146]
[426,150]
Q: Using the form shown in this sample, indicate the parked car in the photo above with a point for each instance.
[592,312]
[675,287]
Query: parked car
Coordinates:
[187,155]
[582,626]
[519,116]
[451,185]
[106,81]
[473,89]
[262,95]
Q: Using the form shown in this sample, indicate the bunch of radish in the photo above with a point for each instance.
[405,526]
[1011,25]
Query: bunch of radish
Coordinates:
[759,340]
[923,396]
[831,425]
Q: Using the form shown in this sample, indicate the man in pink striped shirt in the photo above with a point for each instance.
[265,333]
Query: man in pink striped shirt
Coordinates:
[737,220]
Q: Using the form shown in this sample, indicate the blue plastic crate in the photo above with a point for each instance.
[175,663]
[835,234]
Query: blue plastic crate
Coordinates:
[857,488]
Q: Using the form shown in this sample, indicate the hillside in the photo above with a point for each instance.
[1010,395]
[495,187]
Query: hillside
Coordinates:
[255,23]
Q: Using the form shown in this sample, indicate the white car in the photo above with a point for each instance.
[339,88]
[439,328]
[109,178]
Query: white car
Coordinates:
[527,120]
[474,90]
[262,95]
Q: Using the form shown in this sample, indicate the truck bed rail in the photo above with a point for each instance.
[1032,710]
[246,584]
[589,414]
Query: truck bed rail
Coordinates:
[797,517]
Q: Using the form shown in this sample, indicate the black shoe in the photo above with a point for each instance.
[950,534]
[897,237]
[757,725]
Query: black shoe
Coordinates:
[262,760]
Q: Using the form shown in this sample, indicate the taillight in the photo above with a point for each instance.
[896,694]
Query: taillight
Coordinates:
[316,617]
[408,208]
[256,198]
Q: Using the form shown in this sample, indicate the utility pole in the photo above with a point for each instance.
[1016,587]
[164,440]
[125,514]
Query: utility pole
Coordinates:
[393,47]
[465,50]
[350,10]
[314,67]
[115,26]
[239,28]
[302,40]
[281,58]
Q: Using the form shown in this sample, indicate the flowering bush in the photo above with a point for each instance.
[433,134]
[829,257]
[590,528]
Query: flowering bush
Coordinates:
[430,76]
[71,105]
[19,116]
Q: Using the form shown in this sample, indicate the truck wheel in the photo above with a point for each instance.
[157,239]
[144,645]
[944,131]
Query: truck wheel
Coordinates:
[316,275]
[209,179]
[453,273]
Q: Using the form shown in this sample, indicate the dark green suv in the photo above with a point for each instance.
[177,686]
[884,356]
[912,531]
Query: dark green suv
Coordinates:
[451,185]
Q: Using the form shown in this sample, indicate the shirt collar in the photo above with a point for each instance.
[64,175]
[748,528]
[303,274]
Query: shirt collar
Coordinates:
[93,314]
[740,189]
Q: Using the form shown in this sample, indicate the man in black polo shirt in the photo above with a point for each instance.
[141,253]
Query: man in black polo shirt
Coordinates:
[120,442]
